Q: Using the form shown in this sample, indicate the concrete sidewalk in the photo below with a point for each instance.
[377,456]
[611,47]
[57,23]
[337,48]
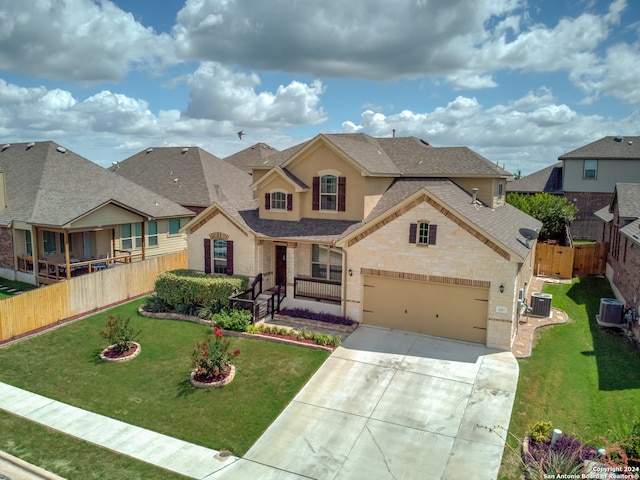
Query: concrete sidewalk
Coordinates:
[172,454]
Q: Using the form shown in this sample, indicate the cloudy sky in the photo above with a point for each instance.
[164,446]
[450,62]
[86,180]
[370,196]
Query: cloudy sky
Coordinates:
[519,81]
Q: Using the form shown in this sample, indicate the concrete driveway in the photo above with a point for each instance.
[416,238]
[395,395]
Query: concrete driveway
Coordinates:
[391,405]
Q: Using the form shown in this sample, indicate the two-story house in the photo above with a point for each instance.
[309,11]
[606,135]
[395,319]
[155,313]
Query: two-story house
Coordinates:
[590,174]
[391,232]
[61,214]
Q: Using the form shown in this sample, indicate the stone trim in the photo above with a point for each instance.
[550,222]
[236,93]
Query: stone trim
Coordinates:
[203,221]
[218,236]
[426,278]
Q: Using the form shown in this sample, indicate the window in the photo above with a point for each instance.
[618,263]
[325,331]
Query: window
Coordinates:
[326,263]
[328,192]
[220,256]
[500,190]
[130,235]
[28,242]
[174,226]
[152,234]
[278,200]
[49,243]
[423,233]
[590,169]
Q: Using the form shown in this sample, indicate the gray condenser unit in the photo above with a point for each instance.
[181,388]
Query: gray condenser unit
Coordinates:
[611,310]
[541,304]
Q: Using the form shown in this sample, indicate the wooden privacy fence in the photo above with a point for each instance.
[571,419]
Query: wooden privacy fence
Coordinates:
[569,262]
[84,294]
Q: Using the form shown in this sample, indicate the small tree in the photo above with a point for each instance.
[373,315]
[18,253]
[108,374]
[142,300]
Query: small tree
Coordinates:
[553,211]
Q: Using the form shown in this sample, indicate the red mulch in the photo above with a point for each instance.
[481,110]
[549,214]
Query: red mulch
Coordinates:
[113,352]
[293,338]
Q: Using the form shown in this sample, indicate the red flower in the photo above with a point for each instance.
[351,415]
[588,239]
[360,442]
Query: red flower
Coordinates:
[237,352]
[217,332]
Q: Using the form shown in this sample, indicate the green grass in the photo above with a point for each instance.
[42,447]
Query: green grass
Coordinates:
[69,457]
[12,284]
[153,390]
[583,379]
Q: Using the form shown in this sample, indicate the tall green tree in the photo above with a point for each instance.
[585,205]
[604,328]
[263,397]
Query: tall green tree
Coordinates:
[553,211]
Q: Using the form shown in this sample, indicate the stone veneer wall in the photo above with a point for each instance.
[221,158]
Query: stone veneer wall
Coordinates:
[457,255]
[6,249]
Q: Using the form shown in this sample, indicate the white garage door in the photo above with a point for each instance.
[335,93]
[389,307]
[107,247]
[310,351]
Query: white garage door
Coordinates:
[448,311]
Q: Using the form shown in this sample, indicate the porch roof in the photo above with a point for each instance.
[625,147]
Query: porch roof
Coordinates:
[306,229]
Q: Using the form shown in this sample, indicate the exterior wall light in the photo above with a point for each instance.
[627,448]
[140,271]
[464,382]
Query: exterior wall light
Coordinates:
[350,273]
[502,288]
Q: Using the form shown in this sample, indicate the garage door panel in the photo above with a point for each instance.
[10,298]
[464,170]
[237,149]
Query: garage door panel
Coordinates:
[448,311]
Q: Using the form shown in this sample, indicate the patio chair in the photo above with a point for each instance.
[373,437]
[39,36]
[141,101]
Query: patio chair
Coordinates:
[100,265]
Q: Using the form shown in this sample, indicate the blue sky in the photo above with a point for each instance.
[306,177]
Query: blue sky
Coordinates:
[520,82]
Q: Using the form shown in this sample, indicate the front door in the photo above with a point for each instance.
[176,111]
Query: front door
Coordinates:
[281,265]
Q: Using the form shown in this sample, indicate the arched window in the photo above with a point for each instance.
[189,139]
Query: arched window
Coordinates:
[328,192]
[278,201]
[220,256]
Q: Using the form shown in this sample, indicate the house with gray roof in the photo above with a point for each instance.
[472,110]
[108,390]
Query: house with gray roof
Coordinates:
[253,155]
[391,232]
[620,228]
[61,213]
[547,180]
[190,176]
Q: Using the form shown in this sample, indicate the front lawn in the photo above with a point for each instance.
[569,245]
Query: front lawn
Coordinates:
[153,390]
[582,378]
[13,284]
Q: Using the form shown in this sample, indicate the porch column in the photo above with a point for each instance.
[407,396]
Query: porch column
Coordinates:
[291,267]
[67,259]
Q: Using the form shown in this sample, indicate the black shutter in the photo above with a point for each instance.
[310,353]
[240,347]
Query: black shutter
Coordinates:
[229,257]
[267,201]
[413,232]
[342,194]
[315,200]
[207,255]
[432,233]
[289,201]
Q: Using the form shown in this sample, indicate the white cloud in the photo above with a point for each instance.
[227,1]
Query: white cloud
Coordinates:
[218,93]
[526,134]
[76,39]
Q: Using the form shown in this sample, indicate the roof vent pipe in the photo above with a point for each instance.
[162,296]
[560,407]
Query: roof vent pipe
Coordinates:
[474,195]
[394,133]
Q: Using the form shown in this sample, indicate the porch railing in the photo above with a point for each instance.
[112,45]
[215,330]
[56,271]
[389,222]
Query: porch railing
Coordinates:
[253,299]
[50,270]
[317,289]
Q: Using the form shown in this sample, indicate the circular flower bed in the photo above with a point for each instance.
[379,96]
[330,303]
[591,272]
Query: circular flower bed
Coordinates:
[221,380]
[113,354]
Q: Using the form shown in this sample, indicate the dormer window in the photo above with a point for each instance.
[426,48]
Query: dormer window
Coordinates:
[278,200]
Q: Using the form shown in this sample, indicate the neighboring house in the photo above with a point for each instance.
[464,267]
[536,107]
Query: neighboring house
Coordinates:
[58,209]
[190,176]
[590,174]
[547,180]
[620,227]
[253,155]
[389,231]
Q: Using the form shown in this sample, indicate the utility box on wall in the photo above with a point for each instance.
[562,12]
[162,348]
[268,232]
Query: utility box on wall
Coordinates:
[541,304]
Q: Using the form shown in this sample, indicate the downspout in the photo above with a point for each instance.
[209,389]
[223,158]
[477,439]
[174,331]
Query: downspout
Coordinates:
[344,283]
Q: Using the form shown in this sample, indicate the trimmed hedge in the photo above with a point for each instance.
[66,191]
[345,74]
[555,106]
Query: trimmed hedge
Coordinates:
[186,287]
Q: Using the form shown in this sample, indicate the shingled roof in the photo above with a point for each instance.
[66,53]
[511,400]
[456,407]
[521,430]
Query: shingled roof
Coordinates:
[501,225]
[400,156]
[608,147]
[548,180]
[253,155]
[189,176]
[47,184]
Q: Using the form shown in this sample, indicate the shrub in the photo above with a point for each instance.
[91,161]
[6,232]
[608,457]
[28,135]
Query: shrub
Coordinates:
[317,338]
[120,334]
[236,320]
[318,316]
[156,304]
[213,358]
[540,431]
[190,309]
[187,287]
[565,457]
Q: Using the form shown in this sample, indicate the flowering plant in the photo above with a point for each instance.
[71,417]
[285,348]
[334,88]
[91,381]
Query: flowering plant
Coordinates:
[120,333]
[212,359]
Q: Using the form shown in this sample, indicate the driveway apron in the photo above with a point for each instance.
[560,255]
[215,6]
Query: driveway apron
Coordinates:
[392,405]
